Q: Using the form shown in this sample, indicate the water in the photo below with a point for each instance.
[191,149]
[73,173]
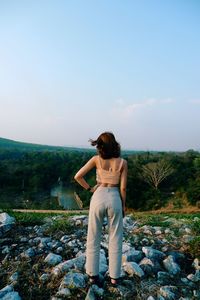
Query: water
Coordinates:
[66,197]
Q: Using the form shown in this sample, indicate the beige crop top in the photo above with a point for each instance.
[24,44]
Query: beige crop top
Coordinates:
[108,176]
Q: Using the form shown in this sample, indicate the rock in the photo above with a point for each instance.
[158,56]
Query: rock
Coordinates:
[163,278]
[11,296]
[187,282]
[14,277]
[196,293]
[177,256]
[90,294]
[196,264]
[59,250]
[126,247]
[97,290]
[128,223]
[75,263]
[5,250]
[53,259]
[133,255]
[43,242]
[125,293]
[73,280]
[161,297]
[147,266]
[8,293]
[171,266]
[28,253]
[158,230]
[63,292]
[194,277]
[44,277]
[145,242]
[133,268]
[5,290]
[187,238]
[168,231]
[153,253]
[6,219]
[168,292]
[150,298]
[24,240]
[147,229]
[94,291]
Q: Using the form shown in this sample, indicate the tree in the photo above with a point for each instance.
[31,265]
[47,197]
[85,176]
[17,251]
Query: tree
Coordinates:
[155,172]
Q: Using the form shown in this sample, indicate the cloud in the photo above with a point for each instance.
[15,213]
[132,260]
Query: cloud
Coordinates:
[194,101]
[126,111]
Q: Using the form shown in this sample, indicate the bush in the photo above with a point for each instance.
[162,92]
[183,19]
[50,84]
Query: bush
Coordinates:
[194,247]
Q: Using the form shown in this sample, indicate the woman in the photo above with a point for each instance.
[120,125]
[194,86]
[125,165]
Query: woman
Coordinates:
[108,200]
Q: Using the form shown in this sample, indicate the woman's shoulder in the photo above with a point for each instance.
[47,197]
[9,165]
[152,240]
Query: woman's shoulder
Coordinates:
[123,159]
[124,162]
[95,157]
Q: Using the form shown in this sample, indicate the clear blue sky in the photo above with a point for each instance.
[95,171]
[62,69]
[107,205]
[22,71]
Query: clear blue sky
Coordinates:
[72,69]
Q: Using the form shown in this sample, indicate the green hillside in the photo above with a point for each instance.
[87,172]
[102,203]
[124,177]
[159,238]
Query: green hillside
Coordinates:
[7,144]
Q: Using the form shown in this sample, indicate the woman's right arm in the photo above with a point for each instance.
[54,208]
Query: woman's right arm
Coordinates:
[79,177]
[123,184]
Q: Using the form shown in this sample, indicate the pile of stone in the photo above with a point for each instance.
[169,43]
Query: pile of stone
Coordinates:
[154,267]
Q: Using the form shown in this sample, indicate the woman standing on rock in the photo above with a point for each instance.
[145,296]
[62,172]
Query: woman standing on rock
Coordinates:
[108,200]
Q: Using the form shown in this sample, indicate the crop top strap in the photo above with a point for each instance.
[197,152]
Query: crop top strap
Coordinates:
[121,163]
[100,162]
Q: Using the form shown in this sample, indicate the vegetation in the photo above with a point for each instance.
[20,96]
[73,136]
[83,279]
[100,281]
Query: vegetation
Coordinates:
[155,179]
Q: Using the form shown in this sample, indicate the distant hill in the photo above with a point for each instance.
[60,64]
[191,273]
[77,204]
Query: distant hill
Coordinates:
[11,145]
[6,144]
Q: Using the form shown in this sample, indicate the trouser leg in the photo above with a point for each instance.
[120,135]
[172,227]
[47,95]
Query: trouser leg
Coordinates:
[115,241]
[95,222]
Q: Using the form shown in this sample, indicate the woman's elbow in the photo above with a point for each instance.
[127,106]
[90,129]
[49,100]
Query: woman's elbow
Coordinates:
[76,177]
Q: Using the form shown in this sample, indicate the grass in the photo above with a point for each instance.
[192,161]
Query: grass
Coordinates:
[60,225]
[34,218]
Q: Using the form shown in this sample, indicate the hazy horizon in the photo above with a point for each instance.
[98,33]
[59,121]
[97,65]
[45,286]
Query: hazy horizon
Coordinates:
[71,70]
[94,148]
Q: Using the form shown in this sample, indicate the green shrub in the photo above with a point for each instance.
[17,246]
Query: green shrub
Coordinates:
[194,247]
[196,227]
[59,225]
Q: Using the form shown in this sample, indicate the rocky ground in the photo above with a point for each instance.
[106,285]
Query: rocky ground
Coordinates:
[47,261]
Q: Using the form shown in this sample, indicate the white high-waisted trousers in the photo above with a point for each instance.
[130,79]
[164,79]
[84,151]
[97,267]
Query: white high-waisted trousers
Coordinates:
[105,202]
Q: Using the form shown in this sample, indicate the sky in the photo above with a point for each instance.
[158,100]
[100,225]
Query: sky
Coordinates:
[70,70]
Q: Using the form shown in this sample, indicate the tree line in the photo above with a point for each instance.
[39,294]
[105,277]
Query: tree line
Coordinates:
[155,179]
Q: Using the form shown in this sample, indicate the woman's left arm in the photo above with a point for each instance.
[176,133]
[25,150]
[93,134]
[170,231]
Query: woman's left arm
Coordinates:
[79,177]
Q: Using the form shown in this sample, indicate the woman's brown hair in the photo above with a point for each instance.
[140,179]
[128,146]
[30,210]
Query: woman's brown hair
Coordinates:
[107,145]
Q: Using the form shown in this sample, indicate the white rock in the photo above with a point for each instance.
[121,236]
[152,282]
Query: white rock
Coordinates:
[44,277]
[5,290]
[77,263]
[63,292]
[11,296]
[6,219]
[168,292]
[171,266]
[73,280]
[153,253]
[126,247]
[196,264]
[133,268]
[187,238]
[14,276]
[53,259]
